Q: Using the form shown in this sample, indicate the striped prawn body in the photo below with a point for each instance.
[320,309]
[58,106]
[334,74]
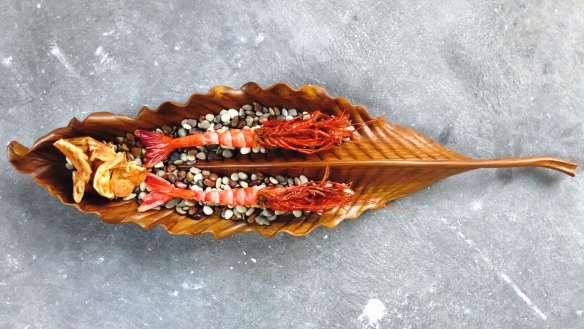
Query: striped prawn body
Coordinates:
[245,196]
[163,191]
[231,137]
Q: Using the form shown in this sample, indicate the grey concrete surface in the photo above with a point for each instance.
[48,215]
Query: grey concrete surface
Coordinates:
[486,249]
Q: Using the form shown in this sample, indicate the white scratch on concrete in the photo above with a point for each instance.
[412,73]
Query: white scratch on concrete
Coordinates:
[103,56]
[259,38]
[7,61]
[373,312]
[502,275]
[522,295]
[253,260]
[105,34]
[55,51]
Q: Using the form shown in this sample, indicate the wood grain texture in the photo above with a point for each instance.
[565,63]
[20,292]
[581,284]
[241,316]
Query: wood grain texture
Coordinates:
[384,162]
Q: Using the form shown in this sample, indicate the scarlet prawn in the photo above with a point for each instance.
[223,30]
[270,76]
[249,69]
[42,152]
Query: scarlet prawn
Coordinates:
[310,196]
[317,133]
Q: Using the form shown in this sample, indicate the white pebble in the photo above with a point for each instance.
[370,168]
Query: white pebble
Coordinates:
[207,210]
[228,214]
[303,179]
[292,112]
[254,177]
[273,180]
[255,149]
[204,124]
[250,211]
[285,112]
[243,184]
[210,117]
[195,170]
[201,156]
[242,175]
[262,220]
[247,107]
[225,180]
[218,183]
[198,177]
[241,209]
[191,157]
[279,212]
[185,124]
[183,156]
[234,177]
[297,213]
[244,150]
[225,118]
[159,165]
[232,113]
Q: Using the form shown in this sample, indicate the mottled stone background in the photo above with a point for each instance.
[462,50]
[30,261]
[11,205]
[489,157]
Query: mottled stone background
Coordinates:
[486,249]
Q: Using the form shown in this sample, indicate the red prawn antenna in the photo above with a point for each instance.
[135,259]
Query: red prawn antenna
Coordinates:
[318,133]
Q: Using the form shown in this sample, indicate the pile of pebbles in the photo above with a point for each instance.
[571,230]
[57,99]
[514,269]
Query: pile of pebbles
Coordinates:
[248,116]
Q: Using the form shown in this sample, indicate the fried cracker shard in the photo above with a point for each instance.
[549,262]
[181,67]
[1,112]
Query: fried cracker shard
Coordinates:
[113,176]
[80,161]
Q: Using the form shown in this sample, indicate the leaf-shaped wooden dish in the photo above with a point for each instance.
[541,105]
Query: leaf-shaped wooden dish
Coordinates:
[385,161]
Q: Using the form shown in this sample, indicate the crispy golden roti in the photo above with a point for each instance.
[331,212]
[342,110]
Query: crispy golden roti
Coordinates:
[114,176]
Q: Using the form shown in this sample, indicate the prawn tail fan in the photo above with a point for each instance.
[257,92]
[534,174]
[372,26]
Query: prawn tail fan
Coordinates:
[317,133]
[158,146]
[159,195]
[309,196]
